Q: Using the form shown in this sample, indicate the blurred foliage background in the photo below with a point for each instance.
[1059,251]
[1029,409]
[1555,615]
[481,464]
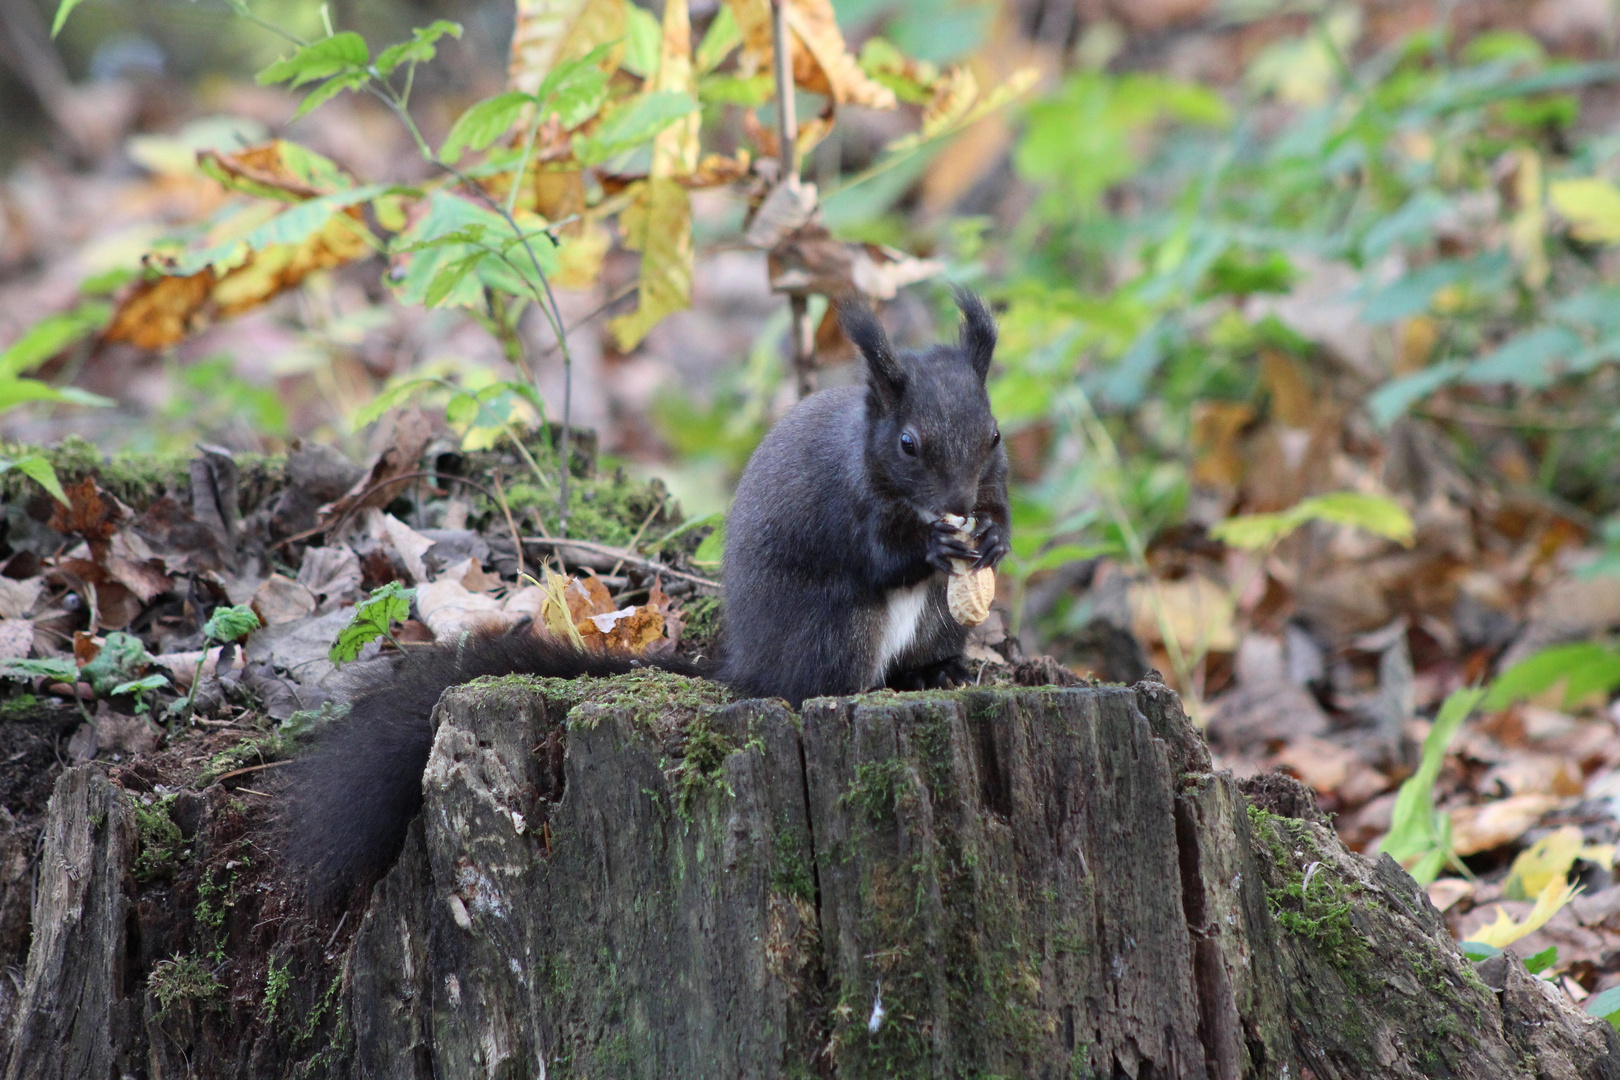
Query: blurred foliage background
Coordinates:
[1245,254]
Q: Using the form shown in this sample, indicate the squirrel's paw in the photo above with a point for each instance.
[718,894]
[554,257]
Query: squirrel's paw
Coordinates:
[937,676]
[991,543]
[946,544]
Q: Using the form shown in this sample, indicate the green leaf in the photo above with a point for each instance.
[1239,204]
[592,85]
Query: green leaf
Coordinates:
[1529,359]
[51,335]
[448,277]
[37,468]
[1583,667]
[319,60]
[231,623]
[1063,555]
[1543,960]
[418,50]
[17,391]
[292,226]
[723,35]
[643,44]
[122,658]
[483,123]
[63,10]
[1413,221]
[1590,205]
[635,124]
[58,668]
[1478,950]
[1389,402]
[150,682]
[1373,513]
[388,604]
[1606,1005]
[1417,831]
[390,398]
[574,90]
[1412,294]
[331,88]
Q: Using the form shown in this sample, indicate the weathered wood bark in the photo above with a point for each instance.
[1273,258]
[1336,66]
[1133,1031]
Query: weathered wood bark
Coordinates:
[625,878]
[73,1012]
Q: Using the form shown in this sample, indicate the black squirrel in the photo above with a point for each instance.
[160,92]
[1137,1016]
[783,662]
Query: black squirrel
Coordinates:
[835,565]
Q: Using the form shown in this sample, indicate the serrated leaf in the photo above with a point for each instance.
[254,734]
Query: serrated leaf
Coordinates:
[319,60]
[390,398]
[635,124]
[331,88]
[449,277]
[483,123]
[549,32]
[231,623]
[419,50]
[51,335]
[386,605]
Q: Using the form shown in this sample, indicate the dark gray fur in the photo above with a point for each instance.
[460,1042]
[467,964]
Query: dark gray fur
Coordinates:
[833,518]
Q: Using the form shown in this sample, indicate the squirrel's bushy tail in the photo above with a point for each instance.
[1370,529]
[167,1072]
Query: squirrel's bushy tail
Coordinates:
[352,796]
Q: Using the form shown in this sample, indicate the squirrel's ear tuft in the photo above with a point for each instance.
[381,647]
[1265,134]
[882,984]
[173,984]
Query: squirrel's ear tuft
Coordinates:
[978,330]
[863,328]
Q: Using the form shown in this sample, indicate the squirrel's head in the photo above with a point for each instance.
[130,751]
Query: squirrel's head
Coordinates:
[930,437]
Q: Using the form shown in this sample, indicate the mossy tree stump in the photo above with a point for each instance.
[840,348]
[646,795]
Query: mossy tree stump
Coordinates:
[633,878]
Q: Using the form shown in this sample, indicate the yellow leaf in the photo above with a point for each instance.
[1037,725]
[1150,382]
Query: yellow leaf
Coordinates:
[1504,931]
[1528,228]
[548,31]
[954,113]
[579,258]
[1597,854]
[659,225]
[161,312]
[675,149]
[554,611]
[1591,206]
[1543,862]
[821,61]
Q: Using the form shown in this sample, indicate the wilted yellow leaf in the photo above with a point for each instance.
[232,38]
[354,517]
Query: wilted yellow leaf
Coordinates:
[555,612]
[1504,931]
[579,258]
[1542,863]
[1527,231]
[675,149]
[282,266]
[1591,206]
[1198,612]
[821,61]
[659,225]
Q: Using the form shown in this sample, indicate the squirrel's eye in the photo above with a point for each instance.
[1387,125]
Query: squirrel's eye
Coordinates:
[995,437]
[908,443]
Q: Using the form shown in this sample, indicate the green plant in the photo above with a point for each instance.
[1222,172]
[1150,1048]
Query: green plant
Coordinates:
[182,978]
[386,605]
[1419,836]
[226,624]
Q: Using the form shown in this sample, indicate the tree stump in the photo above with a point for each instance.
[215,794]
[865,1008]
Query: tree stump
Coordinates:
[631,878]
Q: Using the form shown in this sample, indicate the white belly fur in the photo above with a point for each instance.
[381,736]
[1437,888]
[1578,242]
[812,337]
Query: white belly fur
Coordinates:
[899,623]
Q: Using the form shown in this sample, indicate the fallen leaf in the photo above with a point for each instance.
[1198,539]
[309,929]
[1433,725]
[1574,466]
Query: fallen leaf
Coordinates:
[1504,931]
[1445,892]
[1198,611]
[16,638]
[281,599]
[1539,865]
[448,608]
[17,598]
[1480,828]
[161,310]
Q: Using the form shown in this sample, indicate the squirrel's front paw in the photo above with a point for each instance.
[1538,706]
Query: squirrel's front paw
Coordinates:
[990,543]
[945,544]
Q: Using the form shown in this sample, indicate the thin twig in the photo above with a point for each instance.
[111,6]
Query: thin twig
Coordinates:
[623,556]
[251,768]
[636,539]
[500,495]
[787,149]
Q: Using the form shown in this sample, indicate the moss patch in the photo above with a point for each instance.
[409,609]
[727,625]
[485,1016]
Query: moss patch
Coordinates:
[162,844]
[182,979]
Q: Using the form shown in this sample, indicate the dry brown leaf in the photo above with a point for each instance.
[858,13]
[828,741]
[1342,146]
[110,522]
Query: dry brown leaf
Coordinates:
[281,599]
[17,598]
[1217,428]
[279,267]
[161,311]
[821,61]
[16,638]
[410,438]
[1480,828]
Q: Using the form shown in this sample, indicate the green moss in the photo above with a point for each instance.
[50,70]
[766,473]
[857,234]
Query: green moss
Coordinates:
[791,872]
[1317,909]
[182,978]
[137,480]
[161,843]
[277,981]
[606,509]
[702,618]
[20,706]
[702,766]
